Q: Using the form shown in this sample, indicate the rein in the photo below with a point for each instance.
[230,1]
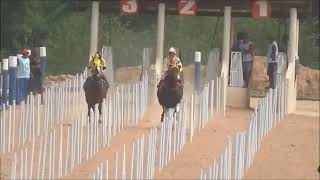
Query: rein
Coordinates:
[173,65]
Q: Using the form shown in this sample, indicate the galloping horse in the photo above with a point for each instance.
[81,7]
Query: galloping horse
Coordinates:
[170,91]
[96,90]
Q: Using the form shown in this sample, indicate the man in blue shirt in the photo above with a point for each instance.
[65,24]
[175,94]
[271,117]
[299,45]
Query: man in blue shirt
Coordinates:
[23,75]
[247,53]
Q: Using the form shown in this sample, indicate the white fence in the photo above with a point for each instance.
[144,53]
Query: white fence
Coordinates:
[269,112]
[50,123]
[58,137]
[164,145]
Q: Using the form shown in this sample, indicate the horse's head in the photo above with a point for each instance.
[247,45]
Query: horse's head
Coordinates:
[173,76]
[96,70]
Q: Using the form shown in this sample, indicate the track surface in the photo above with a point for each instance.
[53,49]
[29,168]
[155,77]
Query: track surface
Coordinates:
[291,150]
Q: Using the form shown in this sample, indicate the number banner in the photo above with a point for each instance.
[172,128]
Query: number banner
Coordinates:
[187,7]
[261,9]
[129,7]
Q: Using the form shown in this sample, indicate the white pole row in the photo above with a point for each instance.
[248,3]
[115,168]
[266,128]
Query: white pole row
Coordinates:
[60,103]
[34,119]
[144,150]
[270,110]
[52,162]
[206,105]
[222,168]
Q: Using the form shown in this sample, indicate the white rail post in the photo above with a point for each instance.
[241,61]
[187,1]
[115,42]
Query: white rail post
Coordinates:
[160,43]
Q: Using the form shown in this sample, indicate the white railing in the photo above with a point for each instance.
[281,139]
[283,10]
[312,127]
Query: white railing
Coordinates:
[269,112]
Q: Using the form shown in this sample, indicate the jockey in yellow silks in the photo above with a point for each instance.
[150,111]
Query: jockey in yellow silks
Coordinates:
[98,61]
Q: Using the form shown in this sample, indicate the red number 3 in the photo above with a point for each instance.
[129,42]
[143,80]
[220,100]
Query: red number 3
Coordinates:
[129,7]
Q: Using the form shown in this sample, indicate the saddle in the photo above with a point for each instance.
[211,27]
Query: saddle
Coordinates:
[102,79]
[161,84]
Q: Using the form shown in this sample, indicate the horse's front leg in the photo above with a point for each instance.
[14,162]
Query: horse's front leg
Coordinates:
[100,113]
[88,114]
[162,115]
[176,110]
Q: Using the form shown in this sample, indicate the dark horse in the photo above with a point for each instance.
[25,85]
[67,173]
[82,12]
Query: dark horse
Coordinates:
[96,90]
[170,91]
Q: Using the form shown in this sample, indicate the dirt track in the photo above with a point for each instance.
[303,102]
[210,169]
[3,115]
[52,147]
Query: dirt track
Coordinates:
[291,150]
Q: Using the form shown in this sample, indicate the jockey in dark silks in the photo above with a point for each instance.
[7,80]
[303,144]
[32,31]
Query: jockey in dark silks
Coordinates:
[97,62]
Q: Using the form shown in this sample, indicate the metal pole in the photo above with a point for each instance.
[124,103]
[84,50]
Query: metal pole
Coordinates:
[124,163]
[5,81]
[12,78]
[132,160]
[60,153]
[32,155]
[197,71]
[94,27]
[40,158]
[116,166]
[67,153]
[160,43]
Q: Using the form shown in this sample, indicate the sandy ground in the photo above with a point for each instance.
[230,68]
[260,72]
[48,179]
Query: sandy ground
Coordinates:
[206,146]
[197,153]
[291,150]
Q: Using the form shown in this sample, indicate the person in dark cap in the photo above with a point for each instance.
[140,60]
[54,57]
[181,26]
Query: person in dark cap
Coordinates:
[35,63]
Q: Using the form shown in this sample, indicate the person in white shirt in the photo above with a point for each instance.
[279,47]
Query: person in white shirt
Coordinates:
[23,75]
[272,58]
[171,59]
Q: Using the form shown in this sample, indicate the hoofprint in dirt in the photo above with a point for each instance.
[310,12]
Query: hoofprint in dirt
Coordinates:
[289,151]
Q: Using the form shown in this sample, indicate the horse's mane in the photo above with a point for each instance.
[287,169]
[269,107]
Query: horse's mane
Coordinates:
[172,77]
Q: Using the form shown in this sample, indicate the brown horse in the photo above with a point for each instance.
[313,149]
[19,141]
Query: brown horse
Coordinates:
[96,89]
[170,90]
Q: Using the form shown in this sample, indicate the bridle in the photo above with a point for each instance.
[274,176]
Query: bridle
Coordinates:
[175,65]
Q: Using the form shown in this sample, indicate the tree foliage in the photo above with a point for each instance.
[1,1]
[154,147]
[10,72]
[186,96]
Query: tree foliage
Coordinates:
[66,34]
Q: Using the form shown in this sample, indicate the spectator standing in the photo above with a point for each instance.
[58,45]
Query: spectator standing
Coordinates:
[35,63]
[23,75]
[247,53]
[272,58]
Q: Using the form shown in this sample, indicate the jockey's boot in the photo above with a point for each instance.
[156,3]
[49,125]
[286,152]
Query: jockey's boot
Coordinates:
[105,81]
[160,82]
[181,83]
[162,79]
